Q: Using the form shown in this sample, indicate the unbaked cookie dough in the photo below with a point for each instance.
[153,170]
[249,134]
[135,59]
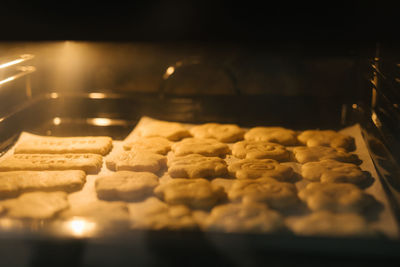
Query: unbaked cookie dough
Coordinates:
[330,138]
[227,133]
[205,147]
[196,166]
[307,154]
[259,168]
[136,160]
[260,150]
[278,135]
[171,130]
[155,144]
[194,193]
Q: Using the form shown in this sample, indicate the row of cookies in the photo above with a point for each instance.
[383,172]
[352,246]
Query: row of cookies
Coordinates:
[192,159]
[36,179]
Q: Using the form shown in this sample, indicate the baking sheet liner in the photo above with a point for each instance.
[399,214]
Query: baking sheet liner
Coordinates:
[383,221]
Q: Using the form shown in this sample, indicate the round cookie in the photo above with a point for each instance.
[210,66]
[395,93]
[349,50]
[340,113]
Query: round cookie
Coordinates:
[171,130]
[196,166]
[136,160]
[308,154]
[205,147]
[126,185]
[335,197]
[325,223]
[226,133]
[278,135]
[332,171]
[156,215]
[156,144]
[259,168]
[330,138]
[194,193]
[275,194]
[260,150]
[244,217]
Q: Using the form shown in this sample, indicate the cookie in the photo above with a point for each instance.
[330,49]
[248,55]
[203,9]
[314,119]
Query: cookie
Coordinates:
[90,163]
[14,183]
[156,215]
[171,130]
[330,138]
[62,145]
[335,197]
[326,223]
[332,171]
[158,145]
[277,195]
[196,166]
[259,168]
[99,211]
[205,147]
[126,185]
[226,184]
[260,150]
[36,205]
[278,135]
[308,154]
[226,133]
[136,160]
[194,193]
[244,217]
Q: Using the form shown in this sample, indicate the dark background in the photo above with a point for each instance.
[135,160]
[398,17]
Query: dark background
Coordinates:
[200,20]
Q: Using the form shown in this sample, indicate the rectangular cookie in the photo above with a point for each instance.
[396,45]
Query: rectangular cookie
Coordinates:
[14,183]
[90,163]
[60,145]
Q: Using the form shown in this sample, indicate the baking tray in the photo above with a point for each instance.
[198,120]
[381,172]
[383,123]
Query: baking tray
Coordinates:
[67,115]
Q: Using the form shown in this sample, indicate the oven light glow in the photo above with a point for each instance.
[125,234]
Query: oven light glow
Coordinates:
[80,227]
[54,95]
[9,79]
[56,121]
[97,95]
[354,106]
[5,65]
[170,70]
[100,121]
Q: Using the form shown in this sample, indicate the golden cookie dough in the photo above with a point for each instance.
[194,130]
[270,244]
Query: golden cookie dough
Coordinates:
[278,135]
[330,138]
[326,223]
[277,195]
[137,160]
[205,147]
[259,168]
[226,133]
[260,150]
[223,182]
[156,215]
[194,193]
[196,166]
[244,217]
[156,144]
[335,197]
[101,211]
[332,171]
[126,185]
[308,154]
[171,130]
[36,205]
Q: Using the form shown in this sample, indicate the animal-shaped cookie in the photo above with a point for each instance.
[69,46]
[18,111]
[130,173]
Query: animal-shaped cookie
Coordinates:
[205,147]
[260,150]
[227,133]
[337,197]
[136,160]
[275,194]
[171,130]
[196,166]
[332,171]
[194,193]
[278,135]
[244,217]
[308,154]
[259,168]
[155,144]
[330,138]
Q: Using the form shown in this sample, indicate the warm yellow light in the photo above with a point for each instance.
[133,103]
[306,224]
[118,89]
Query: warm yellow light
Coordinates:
[56,121]
[97,95]
[54,95]
[80,227]
[354,106]
[9,79]
[5,65]
[100,121]
[170,70]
